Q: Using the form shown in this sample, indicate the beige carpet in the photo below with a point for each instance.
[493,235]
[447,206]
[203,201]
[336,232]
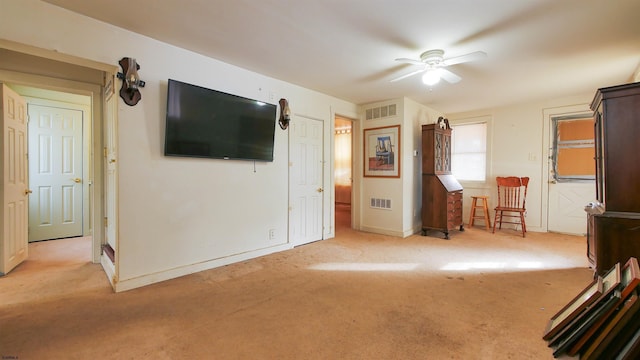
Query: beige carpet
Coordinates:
[357,296]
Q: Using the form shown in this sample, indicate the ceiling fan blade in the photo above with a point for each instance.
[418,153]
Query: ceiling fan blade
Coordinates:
[407,75]
[477,55]
[410,61]
[448,76]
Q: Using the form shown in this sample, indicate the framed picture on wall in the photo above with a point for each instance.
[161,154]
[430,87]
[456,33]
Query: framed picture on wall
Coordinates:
[382,152]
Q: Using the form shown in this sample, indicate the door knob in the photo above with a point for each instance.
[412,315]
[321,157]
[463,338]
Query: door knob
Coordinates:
[77,180]
[27,191]
[320,190]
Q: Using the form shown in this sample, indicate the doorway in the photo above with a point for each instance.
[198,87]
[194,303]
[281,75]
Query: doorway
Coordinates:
[28,67]
[571,177]
[58,149]
[342,172]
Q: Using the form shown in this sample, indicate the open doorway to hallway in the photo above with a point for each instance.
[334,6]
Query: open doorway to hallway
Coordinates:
[343,171]
[59,130]
[22,66]
[59,159]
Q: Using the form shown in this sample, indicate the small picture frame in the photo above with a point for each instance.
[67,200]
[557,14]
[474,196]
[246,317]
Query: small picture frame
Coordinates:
[629,281]
[610,331]
[382,152]
[568,313]
[630,276]
[568,334]
[592,315]
[611,280]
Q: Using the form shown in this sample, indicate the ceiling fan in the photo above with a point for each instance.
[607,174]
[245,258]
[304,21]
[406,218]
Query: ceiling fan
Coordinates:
[433,65]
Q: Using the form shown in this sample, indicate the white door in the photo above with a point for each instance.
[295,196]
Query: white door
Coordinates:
[55,172]
[572,169]
[566,206]
[306,199]
[15,190]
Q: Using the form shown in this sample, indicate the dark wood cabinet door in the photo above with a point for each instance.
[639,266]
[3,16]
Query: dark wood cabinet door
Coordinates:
[617,237]
[436,150]
[614,236]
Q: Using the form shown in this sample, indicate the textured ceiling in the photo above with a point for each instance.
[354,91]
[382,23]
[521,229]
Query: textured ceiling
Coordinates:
[537,50]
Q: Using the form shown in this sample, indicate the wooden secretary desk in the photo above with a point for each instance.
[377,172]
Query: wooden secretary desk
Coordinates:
[614,235]
[441,192]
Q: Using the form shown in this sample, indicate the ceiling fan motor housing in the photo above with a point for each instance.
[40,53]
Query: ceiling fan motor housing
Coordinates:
[432,57]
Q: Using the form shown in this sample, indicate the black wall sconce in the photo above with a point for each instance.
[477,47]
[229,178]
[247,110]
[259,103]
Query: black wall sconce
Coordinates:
[130,92]
[285,114]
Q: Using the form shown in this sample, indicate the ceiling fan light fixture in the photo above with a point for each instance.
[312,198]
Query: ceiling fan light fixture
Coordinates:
[430,77]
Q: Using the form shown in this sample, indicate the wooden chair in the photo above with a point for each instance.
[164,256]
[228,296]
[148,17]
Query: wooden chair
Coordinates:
[512,194]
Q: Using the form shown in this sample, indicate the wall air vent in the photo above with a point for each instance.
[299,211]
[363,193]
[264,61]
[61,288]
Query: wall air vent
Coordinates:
[380,203]
[381,112]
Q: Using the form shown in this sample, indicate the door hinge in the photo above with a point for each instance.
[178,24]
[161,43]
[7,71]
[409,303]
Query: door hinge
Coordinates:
[106,221]
[104,152]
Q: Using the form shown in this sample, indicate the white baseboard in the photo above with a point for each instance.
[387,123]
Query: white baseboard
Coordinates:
[382,231]
[129,284]
[109,269]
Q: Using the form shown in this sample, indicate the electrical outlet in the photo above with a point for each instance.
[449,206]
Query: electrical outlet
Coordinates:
[272,234]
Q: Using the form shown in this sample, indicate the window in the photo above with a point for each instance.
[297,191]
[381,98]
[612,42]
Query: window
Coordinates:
[573,148]
[469,151]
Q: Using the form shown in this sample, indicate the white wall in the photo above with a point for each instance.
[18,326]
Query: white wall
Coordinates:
[382,221]
[179,215]
[405,192]
[516,141]
[415,115]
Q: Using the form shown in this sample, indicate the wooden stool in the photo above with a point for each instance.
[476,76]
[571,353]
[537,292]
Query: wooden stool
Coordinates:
[485,211]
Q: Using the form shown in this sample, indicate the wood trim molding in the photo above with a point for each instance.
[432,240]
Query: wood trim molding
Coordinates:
[54,55]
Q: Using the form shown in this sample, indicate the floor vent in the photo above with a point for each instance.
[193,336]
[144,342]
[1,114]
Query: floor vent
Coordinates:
[381,203]
[381,112]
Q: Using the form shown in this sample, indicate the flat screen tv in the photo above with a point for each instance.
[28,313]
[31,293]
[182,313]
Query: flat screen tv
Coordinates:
[208,123]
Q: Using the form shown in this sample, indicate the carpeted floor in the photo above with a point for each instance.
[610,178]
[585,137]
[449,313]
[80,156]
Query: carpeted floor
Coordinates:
[357,296]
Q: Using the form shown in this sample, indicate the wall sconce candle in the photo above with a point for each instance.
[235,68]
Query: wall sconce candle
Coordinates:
[285,114]
[131,83]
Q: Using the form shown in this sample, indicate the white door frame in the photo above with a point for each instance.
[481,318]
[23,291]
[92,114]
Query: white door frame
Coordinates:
[95,177]
[29,78]
[354,153]
[356,167]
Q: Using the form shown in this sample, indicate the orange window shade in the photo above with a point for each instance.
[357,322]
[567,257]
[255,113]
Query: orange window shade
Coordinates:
[570,130]
[576,161]
[575,148]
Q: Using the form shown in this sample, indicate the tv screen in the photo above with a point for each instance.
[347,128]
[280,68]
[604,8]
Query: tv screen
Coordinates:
[207,123]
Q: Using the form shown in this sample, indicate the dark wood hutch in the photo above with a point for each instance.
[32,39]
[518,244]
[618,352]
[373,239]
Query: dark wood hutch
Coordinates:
[441,192]
[614,235]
